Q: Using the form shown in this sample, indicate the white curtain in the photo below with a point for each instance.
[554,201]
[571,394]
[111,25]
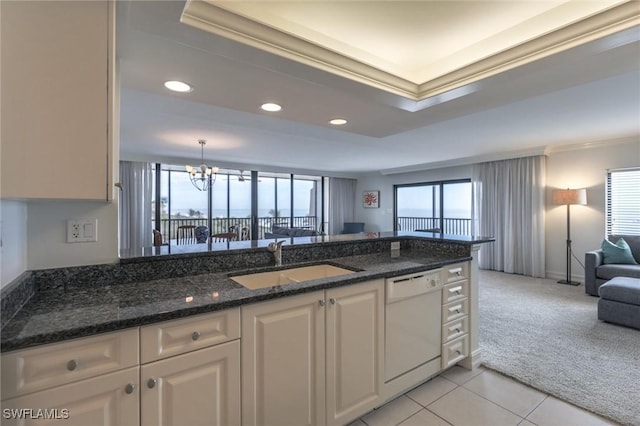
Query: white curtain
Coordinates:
[342,201]
[509,205]
[135,205]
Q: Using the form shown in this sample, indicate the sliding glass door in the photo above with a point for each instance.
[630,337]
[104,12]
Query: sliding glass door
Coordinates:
[434,207]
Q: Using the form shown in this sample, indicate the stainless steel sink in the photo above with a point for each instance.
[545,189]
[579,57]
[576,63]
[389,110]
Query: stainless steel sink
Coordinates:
[289,276]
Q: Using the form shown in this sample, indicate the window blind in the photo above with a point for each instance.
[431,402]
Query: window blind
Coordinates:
[623,202]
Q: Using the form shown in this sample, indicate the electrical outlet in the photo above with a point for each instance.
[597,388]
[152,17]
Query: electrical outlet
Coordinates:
[82,230]
[395,245]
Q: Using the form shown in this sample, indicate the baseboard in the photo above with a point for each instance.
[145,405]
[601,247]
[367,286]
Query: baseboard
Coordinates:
[472,361]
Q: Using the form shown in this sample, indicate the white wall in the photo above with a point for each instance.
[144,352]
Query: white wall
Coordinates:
[584,167]
[47,245]
[381,219]
[13,240]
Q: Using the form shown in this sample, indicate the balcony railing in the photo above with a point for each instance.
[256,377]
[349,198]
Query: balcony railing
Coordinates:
[169,226]
[452,226]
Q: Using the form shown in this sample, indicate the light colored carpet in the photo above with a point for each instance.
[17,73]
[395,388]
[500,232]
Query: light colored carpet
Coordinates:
[547,335]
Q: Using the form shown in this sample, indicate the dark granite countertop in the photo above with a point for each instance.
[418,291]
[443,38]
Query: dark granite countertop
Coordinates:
[59,314]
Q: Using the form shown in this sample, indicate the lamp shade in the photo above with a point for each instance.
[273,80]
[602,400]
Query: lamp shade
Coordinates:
[569,196]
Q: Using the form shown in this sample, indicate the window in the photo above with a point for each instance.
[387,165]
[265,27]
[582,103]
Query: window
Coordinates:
[282,199]
[434,206]
[623,202]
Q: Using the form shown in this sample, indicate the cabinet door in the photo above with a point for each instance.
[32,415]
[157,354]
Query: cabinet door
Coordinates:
[355,350]
[110,399]
[198,388]
[55,99]
[283,361]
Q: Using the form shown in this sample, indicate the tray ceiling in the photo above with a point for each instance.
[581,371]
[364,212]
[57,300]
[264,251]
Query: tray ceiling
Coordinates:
[416,49]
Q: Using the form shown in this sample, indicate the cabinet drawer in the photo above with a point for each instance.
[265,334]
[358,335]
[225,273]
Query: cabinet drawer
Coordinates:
[455,329]
[458,271]
[46,366]
[175,337]
[109,399]
[455,291]
[454,310]
[454,351]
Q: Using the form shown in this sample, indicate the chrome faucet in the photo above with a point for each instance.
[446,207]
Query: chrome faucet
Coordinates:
[276,249]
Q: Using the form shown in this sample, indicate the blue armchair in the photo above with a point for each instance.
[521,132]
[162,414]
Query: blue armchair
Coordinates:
[352,228]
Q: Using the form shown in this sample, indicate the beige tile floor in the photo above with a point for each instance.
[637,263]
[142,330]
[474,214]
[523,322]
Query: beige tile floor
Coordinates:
[480,397]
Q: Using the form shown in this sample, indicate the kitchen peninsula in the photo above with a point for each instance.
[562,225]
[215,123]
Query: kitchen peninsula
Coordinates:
[156,308]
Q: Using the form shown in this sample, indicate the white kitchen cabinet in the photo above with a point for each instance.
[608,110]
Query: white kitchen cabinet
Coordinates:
[47,366]
[283,364]
[197,388]
[313,359]
[57,99]
[108,399]
[95,378]
[355,347]
[455,314]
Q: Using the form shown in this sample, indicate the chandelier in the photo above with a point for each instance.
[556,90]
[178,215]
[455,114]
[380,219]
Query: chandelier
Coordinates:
[201,176]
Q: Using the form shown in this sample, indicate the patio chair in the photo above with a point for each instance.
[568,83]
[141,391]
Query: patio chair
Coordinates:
[185,234]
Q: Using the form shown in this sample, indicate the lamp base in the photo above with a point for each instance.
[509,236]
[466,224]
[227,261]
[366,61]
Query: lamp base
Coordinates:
[568,282]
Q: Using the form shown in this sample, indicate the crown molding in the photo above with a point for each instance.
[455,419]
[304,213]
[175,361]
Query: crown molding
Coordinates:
[611,21]
[207,16]
[465,161]
[591,144]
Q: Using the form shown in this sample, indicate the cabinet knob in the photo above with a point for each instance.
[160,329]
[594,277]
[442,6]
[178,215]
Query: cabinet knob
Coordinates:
[333,301]
[321,302]
[151,383]
[195,335]
[71,365]
[457,330]
[130,388]
[458,352]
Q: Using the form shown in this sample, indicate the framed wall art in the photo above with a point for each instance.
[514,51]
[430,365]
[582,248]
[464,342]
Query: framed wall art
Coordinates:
[371,199]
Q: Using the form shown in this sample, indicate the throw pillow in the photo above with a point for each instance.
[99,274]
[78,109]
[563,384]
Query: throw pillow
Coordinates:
[620,252]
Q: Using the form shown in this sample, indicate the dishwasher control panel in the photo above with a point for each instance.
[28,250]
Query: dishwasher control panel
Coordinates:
[402,287]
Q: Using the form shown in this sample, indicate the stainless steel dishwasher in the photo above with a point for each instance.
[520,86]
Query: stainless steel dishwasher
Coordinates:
[413,322]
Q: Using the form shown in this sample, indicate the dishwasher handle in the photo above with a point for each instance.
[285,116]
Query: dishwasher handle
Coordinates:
[406,286]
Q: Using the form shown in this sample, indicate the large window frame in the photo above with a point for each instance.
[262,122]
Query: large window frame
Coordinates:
[460,226]
[623,201]
[254,222]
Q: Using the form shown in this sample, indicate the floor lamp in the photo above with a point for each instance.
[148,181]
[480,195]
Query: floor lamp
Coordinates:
[567,197]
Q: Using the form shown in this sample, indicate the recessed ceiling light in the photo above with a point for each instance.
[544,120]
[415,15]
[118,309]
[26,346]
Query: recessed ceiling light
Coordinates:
[271,107]
[338,121]
[178,86]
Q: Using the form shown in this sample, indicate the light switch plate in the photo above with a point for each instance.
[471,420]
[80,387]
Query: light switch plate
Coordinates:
[82,230]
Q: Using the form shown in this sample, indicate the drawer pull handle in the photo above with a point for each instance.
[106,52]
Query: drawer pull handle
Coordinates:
[72,365]
[333,301]
[195,335]
[321,302]
[457,330]
[458,273]
[458,353]
[151,383]
[129,388]
[457,311]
